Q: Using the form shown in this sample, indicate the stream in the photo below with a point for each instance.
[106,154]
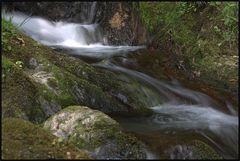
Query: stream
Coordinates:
[179,114]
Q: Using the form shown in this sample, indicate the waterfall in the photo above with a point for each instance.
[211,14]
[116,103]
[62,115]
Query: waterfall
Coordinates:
[80,39]
[56,33]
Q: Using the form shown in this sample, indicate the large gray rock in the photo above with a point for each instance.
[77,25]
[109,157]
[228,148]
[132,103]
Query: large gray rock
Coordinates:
[95,131]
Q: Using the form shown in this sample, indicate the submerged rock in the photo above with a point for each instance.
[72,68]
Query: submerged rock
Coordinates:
[24,140]
[195,150]
[95,131]
[32,63]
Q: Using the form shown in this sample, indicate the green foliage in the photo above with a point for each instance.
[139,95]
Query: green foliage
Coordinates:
[23,140]
[178,20]
[155,14]
[7,65]
[166,18]
[8,31]
[198,32]
[229,17]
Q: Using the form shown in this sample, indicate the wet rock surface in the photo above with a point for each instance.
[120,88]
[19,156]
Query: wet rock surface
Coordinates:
[122,25]
[192,152]
[49,81]
[95,131]
[196,150]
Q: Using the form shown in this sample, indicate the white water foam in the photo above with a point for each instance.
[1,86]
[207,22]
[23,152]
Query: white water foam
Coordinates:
[82,39]
[192,117]
[212,121]
[202,115]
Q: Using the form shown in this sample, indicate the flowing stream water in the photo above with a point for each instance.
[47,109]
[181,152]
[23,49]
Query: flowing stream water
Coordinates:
[180,114]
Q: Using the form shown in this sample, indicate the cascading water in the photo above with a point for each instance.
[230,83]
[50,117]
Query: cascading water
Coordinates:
[182,108]
[179,108]
[78,39]
[57,33]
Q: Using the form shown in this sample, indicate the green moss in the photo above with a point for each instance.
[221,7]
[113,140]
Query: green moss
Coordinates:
[52,83]
[204,151]
[73,82]
[88,135]
[24,140]
[19,95]
[101,131]
[93,129]
[200,34]
[69,84]
[129,146]
[8,31]
[6,63]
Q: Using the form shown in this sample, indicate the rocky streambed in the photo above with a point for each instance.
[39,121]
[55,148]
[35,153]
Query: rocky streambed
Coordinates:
[45,82]
[72,100]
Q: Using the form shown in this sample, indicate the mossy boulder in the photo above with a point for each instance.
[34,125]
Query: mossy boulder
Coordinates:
[46,81]
[196,149]
[204,151]
[24,140]
[95,131]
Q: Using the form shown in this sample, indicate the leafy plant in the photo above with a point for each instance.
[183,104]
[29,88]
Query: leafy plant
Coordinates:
[8,31]
[6,64]
[202,31]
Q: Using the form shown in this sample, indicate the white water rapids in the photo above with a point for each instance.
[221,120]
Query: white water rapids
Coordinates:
[200,114]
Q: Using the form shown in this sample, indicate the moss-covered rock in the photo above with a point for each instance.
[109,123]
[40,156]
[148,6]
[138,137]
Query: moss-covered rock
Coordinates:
[24,140]
[19,95]
[196,149]
[51,81]
[204,151]
[95,131]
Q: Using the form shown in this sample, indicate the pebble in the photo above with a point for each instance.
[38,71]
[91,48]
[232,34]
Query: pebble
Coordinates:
[68,155]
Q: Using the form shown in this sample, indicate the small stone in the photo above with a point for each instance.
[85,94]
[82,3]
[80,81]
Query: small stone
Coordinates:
[54,142]
[60,140]
[197,73]
[69,155]
[21,41]
[33,63]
